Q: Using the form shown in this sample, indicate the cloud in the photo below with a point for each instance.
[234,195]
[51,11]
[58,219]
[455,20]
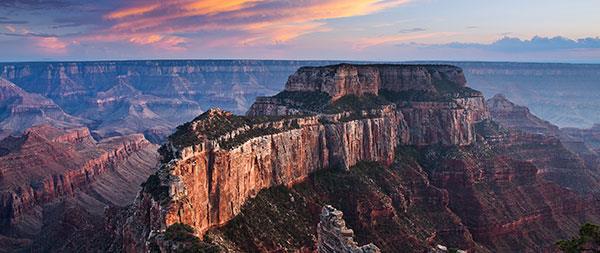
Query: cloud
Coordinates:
[251,22]
[165,42]
[5,20]
[10,28]
[51,45]
[35,4]
[412,30]
[535,44]
[132,11]
[392,39]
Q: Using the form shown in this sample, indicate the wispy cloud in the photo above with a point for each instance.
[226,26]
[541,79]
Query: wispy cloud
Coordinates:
[394,39]
[412,30]
[249,22]
[5,20]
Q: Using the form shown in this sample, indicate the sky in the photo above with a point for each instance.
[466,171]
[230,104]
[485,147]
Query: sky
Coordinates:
[375,30]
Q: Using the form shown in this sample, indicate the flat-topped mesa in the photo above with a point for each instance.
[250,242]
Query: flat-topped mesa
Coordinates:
[345,79]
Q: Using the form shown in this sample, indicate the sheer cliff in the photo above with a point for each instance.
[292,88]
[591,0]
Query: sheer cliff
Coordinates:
[409,153]
[150,97]
[215,163]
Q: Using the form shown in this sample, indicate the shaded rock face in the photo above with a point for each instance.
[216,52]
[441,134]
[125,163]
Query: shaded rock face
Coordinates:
[518,117]
[523,194]
[396,208]
[568,149]
[21,110]
[49,167]
[345,79]
[215,163]
[334,236]
[126,97]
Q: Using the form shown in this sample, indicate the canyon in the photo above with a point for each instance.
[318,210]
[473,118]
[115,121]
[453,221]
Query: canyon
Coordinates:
[414,166]
[48,169]
[413,157]
[154,96]
[151,97]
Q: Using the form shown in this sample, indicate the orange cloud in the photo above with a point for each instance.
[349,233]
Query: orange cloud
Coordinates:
[258,21]
[205,7]
[164,42]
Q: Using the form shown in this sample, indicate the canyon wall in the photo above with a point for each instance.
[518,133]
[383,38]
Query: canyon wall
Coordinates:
[126,97]
[218,161]
[46,164]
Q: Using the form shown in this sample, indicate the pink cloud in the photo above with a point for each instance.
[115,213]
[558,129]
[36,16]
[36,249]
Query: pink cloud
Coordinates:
[251,22]
[51,45]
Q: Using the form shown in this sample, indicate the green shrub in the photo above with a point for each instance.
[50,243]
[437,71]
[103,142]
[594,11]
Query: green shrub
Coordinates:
[183,236]
[153,186]
[588,240]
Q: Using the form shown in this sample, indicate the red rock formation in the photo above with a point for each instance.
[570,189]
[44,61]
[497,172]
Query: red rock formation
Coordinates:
[345,79]
[23,110]
[215,163]
[48,163]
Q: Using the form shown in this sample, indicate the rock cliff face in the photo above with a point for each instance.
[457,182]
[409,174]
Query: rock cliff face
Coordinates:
[21,110]
[53,168]
[335,237]
[46,166]
[215,163]
[126,97]
[344,79]
[518,117]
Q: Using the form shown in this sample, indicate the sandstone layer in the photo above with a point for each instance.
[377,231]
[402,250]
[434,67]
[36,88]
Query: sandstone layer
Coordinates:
[215,163]
[49,169]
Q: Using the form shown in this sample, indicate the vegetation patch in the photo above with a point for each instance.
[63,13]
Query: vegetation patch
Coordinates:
[304,100]
[588,240]
[154,187]
[355,103]
[182,237]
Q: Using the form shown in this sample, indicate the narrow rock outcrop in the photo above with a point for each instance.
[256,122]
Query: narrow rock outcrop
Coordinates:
[335,237]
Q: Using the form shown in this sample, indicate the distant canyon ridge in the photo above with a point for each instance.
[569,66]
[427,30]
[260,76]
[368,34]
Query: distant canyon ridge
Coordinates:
[116,98]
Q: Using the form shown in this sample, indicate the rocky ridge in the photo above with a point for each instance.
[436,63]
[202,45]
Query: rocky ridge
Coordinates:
[335,237]
[215,163]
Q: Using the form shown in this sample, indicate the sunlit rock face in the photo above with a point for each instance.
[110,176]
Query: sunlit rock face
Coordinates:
[215,163]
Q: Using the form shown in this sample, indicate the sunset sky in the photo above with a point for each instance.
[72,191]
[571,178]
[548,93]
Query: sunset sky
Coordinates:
[389,30]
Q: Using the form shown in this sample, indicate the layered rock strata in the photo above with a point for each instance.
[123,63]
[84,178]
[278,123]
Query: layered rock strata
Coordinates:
[214,164]
[47,163]
[335,237]
[518,117]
